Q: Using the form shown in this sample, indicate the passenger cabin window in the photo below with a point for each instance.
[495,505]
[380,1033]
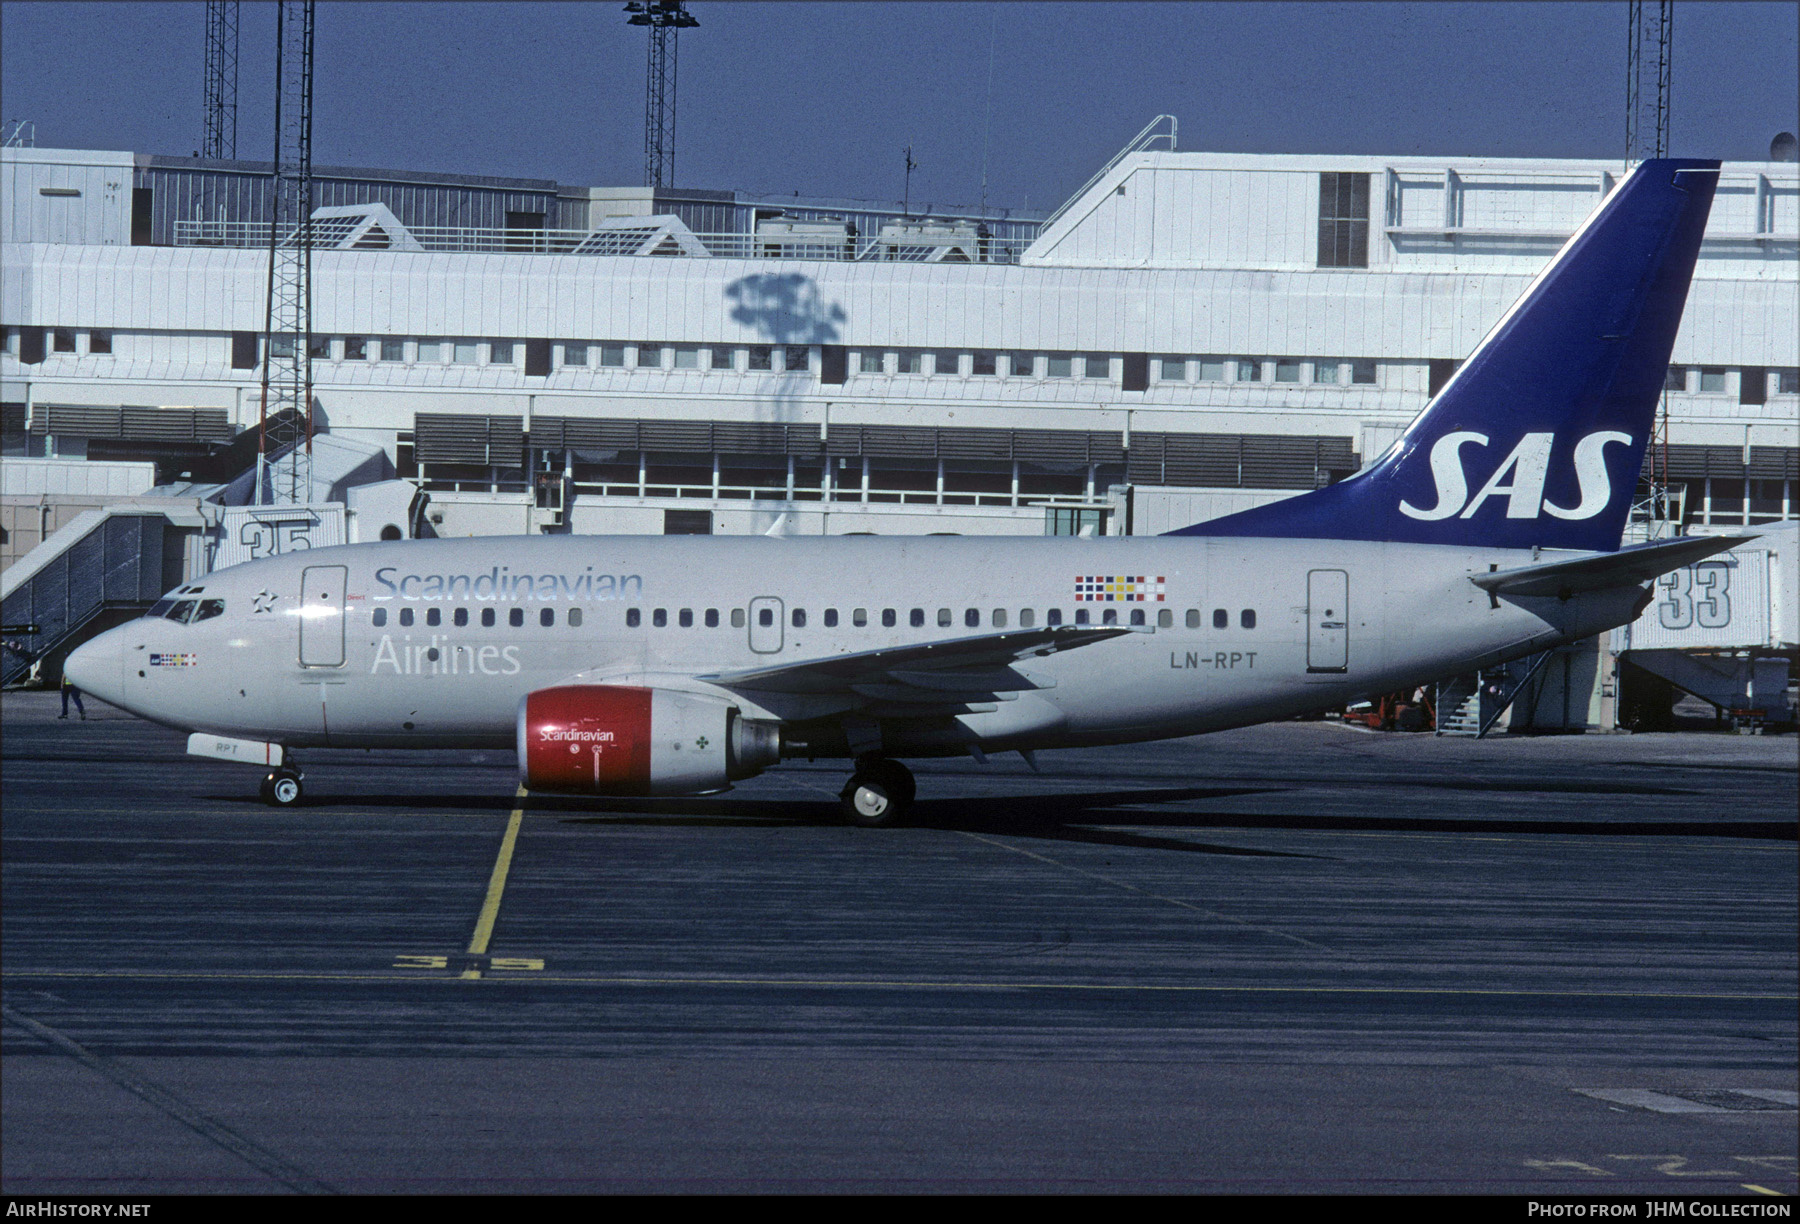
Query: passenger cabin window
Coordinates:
[1053,616]
[712,618]
[1027,618]
[487,618]
[1247,618]
[999,618]
[574,618]
[860,617]
[460,617]
[1165,618]
[943,618]
[737,618]
[1137,616]
[406,616]
[1193,618]
[1081,616]
[378,618]
[765,617]
[918,618]
[546,617]
[1221,618]
[516,617]
[633,618]
[799,618]
[888,618]
[433,616]
[831,618]
[1109,617]
[660,618]
[685,618]
[972,618]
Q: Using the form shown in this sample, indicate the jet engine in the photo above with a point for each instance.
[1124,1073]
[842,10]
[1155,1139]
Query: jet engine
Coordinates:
[606,739]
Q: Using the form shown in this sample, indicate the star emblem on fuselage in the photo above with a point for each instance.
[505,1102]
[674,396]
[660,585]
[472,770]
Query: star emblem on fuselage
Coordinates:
[265,601]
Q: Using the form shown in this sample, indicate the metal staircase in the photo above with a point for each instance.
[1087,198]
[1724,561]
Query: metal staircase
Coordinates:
[1471,704]
[102,568]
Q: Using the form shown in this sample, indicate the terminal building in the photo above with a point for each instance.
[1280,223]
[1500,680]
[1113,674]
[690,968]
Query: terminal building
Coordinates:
[1189,335]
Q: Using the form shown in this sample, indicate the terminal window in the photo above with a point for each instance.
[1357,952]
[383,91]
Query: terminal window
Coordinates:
[356,348]
[1675,379]
[1325,371]
[1173,369]
[983,363]
[500,352]
[761,357]
[1343,220]
[1712,379]
[912,361]
[869,362]
[1363,370]
[1097,367]
[393,350]
[99,342]
[797,357]
[63,340]
[1059,365]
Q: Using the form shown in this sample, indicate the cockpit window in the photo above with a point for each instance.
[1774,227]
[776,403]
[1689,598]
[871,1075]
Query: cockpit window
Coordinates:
[183,609]
[209,608]
[160,608]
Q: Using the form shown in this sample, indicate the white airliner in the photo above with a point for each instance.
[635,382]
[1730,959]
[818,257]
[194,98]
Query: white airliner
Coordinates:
[675,665]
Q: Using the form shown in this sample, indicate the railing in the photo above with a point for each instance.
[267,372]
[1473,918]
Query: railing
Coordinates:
[839,494]
[921,247]
[1143,140]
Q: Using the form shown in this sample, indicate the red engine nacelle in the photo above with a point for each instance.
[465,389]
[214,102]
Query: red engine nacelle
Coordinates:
[606,739]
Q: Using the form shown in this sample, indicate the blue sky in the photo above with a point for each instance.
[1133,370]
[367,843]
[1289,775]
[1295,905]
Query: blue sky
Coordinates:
[820,98]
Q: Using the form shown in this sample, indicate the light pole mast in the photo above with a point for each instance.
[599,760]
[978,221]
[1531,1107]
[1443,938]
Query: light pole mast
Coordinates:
[220,137]
[285,425]
[665,19]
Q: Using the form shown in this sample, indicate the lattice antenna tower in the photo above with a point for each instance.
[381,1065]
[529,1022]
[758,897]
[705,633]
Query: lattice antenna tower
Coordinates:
[220,137]
[1648,62]
[1647,67]
[665,20]
[286,419]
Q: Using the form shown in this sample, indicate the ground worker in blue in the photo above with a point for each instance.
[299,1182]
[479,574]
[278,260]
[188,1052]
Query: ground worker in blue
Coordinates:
[69,690]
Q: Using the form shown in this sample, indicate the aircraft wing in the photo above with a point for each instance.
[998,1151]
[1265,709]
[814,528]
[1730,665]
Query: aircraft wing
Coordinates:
[924,679]
[1599,571]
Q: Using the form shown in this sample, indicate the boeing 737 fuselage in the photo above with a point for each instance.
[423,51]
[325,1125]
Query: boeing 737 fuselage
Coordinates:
[676,665]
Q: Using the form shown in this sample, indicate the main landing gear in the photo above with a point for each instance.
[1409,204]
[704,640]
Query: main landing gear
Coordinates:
[878,794]
[281,788]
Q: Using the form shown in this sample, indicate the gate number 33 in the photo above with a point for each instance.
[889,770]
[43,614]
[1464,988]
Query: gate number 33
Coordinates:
[1695,595]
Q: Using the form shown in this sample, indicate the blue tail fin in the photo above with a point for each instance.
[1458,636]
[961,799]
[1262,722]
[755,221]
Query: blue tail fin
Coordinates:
[1537,440]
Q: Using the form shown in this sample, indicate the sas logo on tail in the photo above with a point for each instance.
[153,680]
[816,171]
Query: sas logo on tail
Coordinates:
[1519,478]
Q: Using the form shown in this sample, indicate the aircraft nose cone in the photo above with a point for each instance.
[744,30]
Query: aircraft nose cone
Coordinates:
[97,666]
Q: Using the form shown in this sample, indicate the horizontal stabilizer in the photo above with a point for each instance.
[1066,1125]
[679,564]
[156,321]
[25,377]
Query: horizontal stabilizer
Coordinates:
[1628,567]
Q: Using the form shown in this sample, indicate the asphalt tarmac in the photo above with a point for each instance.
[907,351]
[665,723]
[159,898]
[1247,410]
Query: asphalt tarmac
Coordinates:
[1297,958]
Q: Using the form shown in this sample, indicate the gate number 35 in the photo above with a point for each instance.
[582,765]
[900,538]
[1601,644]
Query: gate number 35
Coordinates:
[1695,595]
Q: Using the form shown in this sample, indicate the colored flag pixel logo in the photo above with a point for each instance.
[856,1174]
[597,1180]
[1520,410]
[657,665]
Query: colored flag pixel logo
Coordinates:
[1113,588]
[174,660]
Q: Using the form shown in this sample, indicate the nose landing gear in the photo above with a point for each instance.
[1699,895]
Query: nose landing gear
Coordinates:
[879,793]
[281,788]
